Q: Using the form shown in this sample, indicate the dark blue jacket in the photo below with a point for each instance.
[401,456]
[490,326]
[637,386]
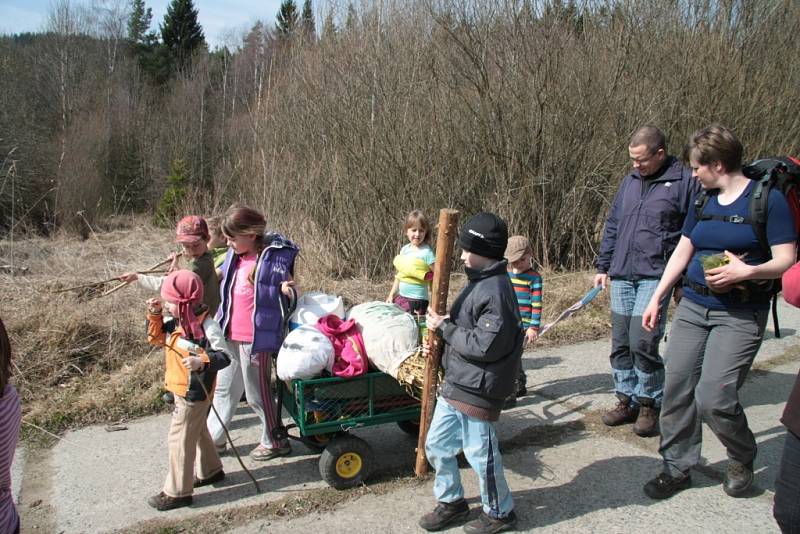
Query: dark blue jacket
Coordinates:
[644,223]
[275,264]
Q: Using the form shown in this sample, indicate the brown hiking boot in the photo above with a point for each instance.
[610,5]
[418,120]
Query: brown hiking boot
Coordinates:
[622,414]
[646,424]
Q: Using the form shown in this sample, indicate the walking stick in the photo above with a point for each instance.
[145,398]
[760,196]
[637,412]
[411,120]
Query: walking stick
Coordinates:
[448,222]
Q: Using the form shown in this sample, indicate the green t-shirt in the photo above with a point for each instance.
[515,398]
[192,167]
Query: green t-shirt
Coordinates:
[204,268]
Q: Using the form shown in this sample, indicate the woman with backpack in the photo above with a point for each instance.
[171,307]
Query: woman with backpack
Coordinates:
[719,324]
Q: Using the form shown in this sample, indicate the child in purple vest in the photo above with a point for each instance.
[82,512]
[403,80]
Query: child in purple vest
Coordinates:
[10,418]
[257,280]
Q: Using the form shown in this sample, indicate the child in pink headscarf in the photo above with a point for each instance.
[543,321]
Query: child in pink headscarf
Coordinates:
[194,350]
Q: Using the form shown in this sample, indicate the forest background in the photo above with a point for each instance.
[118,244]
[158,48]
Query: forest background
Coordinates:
[336,122]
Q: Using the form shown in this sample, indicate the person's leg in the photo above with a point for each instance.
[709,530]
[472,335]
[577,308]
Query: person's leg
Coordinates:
[251,372]
[647,363]
[268,400]
[442,444]
[482,451]
[623,299]
[183,432]
[787,487]
[732,346]
[681,435]
[227,392]
[208,461]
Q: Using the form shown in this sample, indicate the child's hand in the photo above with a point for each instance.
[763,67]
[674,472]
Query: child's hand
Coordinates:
[128,277]
[173,266]
[286,287]
[531,335]
[193,363]
[390,299]
[153,305]
[433,320]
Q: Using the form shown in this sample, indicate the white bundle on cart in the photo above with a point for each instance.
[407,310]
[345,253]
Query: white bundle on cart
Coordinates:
[304,354]
[312,306]
[389,333]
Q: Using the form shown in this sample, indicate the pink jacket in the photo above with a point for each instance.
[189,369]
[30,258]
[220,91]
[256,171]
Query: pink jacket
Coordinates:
[348,345]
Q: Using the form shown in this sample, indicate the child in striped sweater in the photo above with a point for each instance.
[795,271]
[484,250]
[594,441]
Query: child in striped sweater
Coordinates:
[528,290]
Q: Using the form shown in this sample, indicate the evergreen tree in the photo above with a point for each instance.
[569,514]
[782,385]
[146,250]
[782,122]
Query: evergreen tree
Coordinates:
[329,28]
[181,33]
[307,22]
[139,21]
[287,18]
[352,18]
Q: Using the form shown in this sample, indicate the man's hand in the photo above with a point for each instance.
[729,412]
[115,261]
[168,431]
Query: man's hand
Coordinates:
[600,279]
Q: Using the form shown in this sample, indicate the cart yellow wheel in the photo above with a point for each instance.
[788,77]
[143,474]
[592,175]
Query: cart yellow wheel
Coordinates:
[346,462]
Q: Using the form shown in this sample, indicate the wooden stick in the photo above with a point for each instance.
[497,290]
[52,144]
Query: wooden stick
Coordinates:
[151,270]
[448,226]
[123,284]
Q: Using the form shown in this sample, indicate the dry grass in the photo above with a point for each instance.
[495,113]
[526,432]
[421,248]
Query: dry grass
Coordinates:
[82,360]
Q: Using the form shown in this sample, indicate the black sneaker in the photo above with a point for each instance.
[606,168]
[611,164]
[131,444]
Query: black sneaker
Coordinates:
[522,391]
[488,525]
[665,486]
[444,514]
[738,478]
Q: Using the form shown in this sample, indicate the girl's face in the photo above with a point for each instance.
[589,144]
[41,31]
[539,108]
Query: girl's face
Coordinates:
[242,243]
[415,234]
[171,308]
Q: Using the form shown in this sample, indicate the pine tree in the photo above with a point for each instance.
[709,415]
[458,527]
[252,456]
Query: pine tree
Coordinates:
[287,18]
[329,29]
[181,33]
[307,22]
[139,21]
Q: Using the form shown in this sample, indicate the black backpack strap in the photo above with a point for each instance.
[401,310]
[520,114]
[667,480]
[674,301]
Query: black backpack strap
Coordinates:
[757,208]
[700,202]
[775,326]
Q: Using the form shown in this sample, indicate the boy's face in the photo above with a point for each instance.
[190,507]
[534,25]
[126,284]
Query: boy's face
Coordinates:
[194,249]
[474,261]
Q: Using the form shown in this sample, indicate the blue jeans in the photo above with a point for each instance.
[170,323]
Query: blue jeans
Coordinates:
[450,432]
[637,367]
[787,487]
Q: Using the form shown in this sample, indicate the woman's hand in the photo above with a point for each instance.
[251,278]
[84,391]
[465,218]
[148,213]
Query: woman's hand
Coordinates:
[650,316]
[725,277]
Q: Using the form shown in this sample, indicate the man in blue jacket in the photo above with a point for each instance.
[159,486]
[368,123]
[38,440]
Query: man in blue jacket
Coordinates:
[642,229]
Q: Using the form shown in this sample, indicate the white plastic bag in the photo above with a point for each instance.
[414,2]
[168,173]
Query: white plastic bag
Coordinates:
[390,334]
[305,353]
[312,306]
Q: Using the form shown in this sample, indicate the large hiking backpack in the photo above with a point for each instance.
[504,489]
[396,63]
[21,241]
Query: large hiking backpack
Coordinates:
[782,173]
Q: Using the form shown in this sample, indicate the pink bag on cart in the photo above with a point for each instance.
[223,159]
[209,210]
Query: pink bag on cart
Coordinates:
[348,346]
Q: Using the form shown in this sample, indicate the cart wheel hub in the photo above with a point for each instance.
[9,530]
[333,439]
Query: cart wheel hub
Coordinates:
[348,465]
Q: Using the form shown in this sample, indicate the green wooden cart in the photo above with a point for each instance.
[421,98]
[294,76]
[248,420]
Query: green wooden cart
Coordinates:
[325,409]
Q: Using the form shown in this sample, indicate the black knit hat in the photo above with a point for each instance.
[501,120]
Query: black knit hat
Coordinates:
[484,234]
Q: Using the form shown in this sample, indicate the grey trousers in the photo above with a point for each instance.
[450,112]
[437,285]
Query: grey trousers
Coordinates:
[708,355]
